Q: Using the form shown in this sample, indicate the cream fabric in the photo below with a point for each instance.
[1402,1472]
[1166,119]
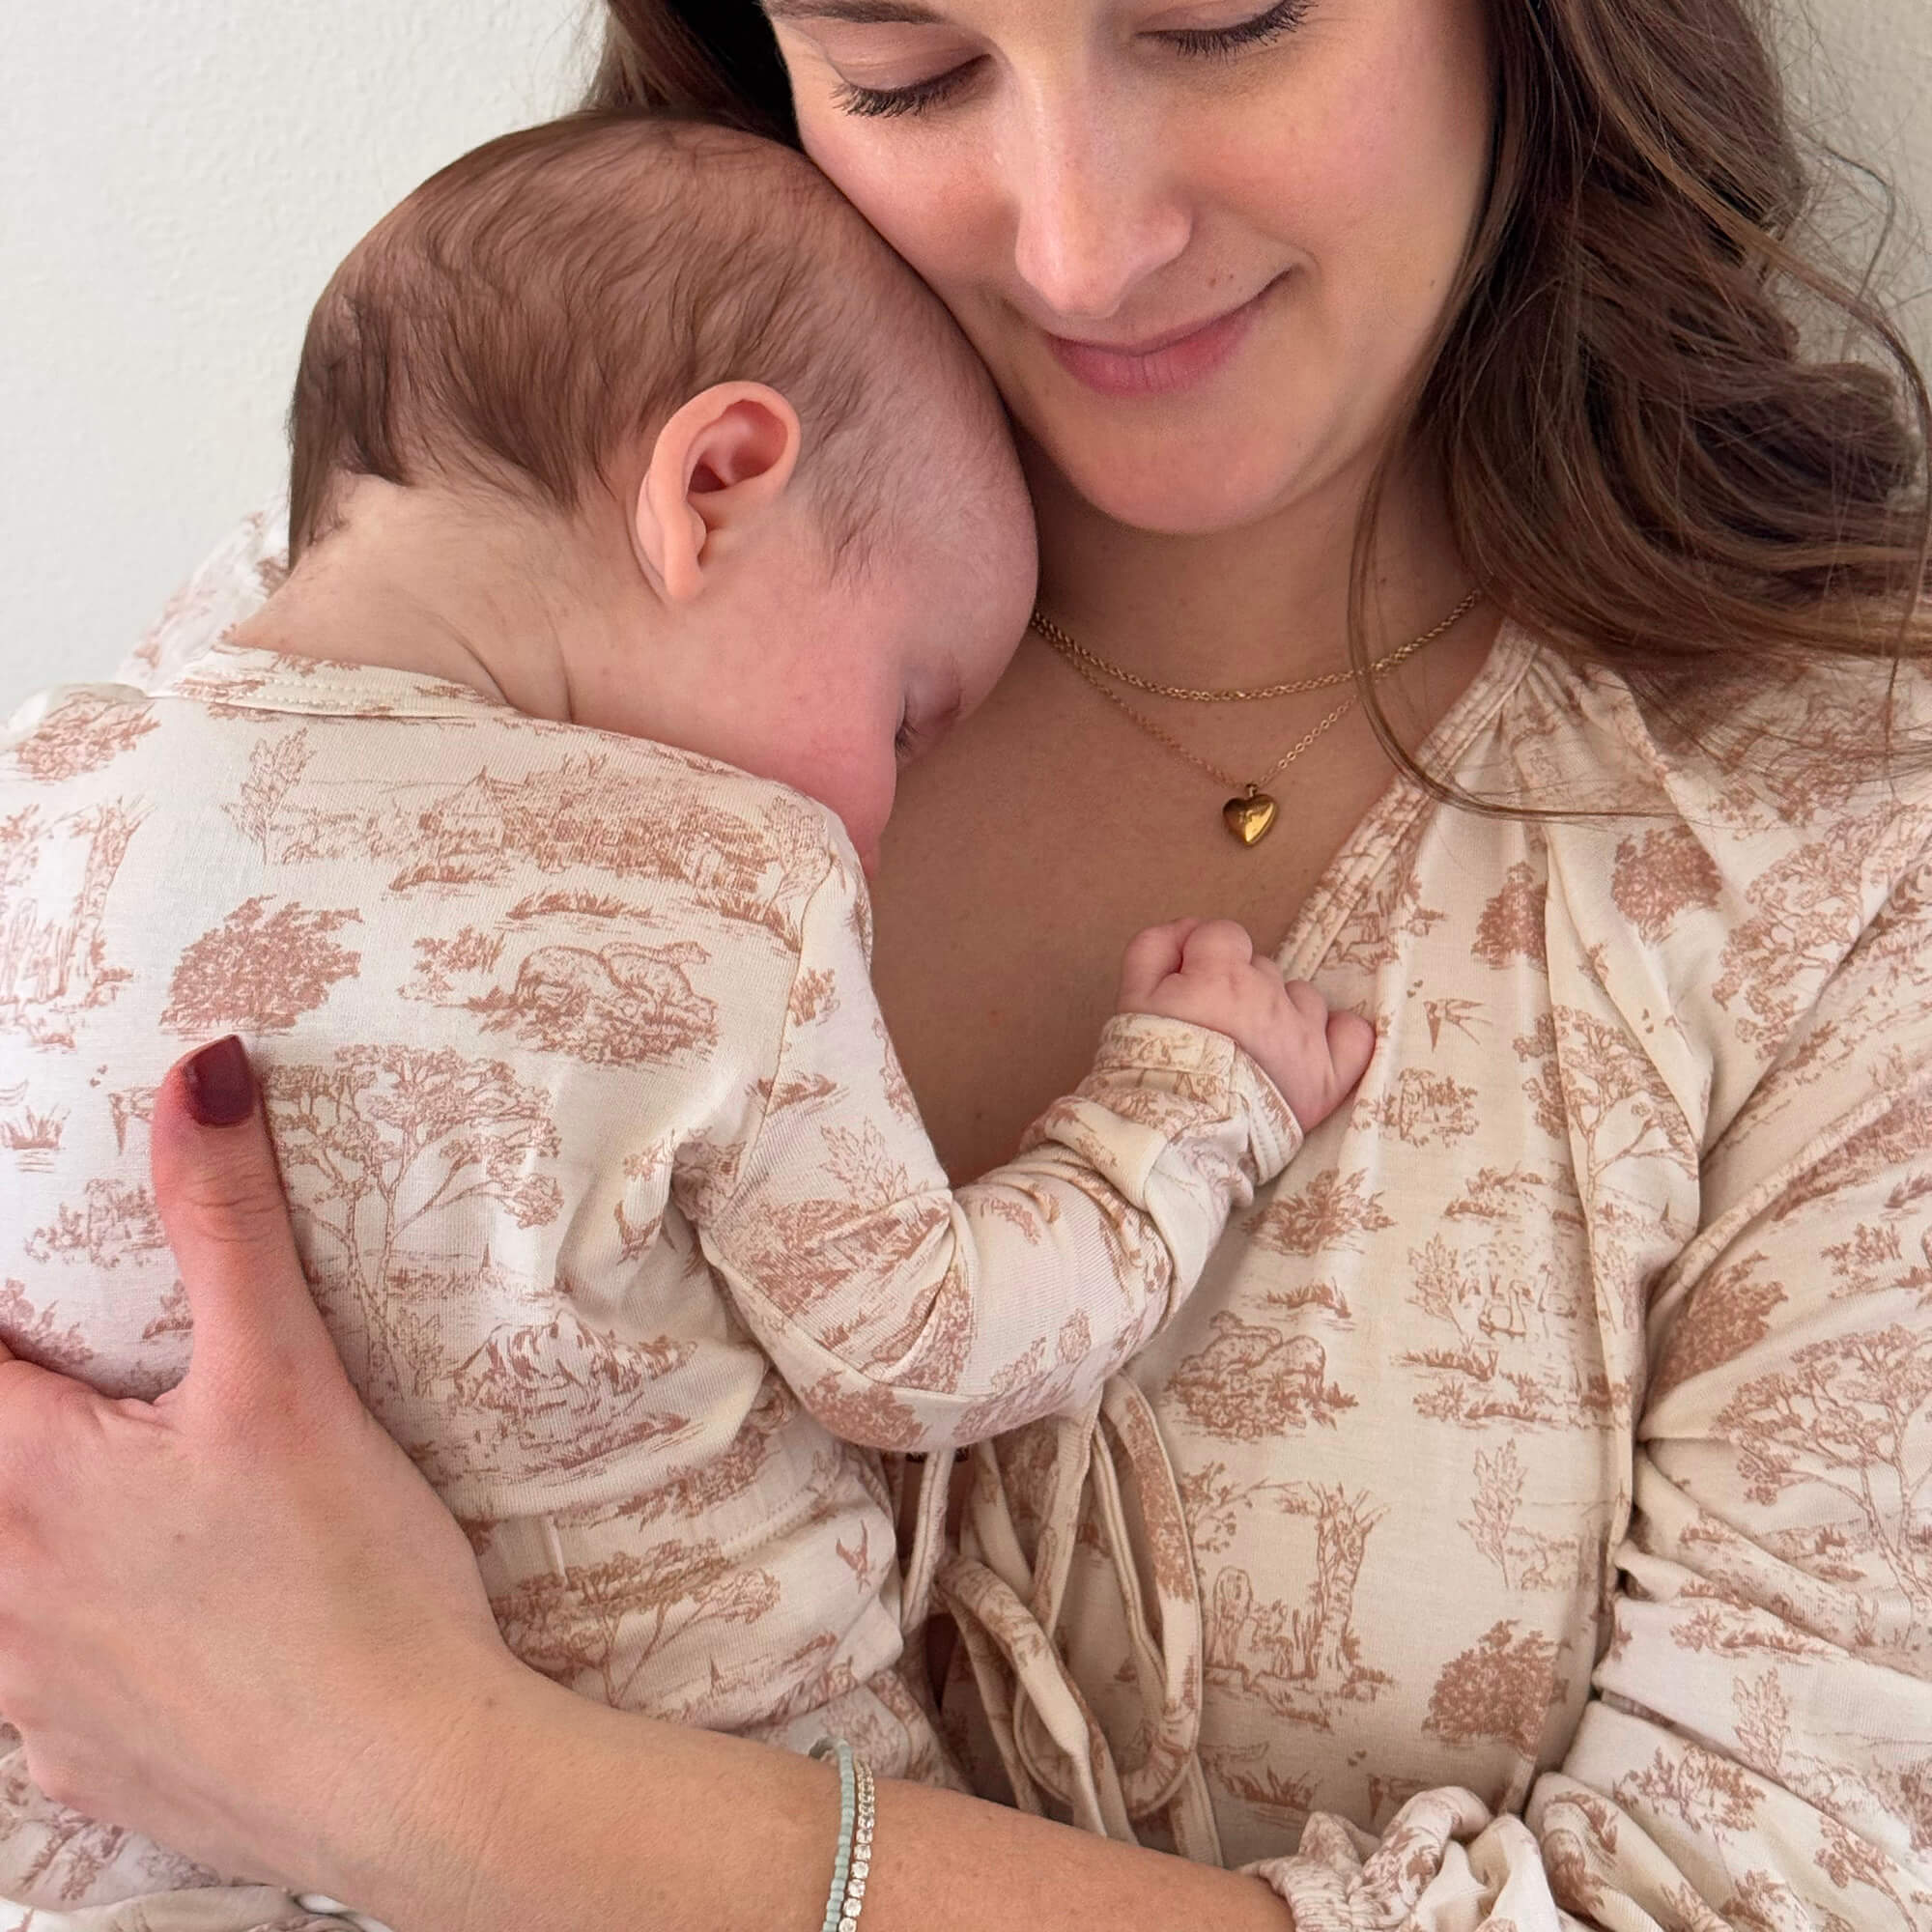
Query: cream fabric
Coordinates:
[1555,1442]
[603,1167]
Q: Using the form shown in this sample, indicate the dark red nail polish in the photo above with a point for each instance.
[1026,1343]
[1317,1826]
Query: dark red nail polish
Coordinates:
[220,1084]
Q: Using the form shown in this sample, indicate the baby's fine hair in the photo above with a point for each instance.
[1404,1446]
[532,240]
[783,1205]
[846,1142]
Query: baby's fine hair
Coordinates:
[562,289]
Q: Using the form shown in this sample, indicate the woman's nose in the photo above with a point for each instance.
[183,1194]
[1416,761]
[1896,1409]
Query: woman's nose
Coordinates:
[1097,211]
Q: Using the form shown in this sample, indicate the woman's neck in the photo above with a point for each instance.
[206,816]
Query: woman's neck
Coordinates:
[1248,606]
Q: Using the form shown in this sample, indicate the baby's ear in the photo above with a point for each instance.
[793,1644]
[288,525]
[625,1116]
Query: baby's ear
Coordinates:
[718,464]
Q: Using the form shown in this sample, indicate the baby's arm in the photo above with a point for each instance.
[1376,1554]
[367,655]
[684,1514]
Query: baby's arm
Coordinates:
[912,1315]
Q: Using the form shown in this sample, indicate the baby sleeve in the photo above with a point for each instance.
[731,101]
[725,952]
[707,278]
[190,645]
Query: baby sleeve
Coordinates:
[911,1316]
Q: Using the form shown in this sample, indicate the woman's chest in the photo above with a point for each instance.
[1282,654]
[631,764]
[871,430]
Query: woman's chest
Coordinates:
[1401,1467]
[1006,904]
[1394,1418]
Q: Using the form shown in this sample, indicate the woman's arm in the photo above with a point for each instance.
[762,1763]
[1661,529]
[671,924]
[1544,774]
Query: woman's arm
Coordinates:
[1761,1740]
[239,1620]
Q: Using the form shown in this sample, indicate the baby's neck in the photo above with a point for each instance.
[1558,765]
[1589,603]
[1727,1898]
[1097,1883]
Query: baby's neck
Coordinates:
[413,581]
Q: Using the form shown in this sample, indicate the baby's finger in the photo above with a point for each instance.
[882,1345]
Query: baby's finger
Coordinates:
[1151,955]
[1217,943]
[1309,1004]
[1352,1044]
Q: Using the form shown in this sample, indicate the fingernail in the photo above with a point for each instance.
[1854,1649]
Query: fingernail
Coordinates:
[220,1084]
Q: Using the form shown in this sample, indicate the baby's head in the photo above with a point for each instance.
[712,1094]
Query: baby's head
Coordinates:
[746,424]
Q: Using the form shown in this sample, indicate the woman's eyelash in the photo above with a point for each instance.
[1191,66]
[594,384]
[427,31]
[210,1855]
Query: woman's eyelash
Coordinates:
[1270,25]
[914,99]
[1278,19]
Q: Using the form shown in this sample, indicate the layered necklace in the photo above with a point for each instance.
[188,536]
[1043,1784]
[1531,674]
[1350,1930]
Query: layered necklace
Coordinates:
[1250,815]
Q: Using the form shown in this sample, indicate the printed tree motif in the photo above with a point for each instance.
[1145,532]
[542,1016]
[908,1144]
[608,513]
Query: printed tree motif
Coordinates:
[1660,877]
[1849,1414]
[1388,913]
[1849,1861]
[1526,1559]
[379,1139]
[1763,1721]
[1498,1492]
[1708,1792]
[600,1626]
[1503,1689]
[1593,1085]
[1423,1108]
[32,1333]
[441,962]
[813,996]
[59,962]
[1809,908]
[1897,1139]
[1297,1659]
[897,1088]
[84,734]
[116,1219]
[172,1318]
[1511,925]
[1727,1313]
[259,970]
[275,767]
[801,1250]
[1332,1209]
[1574,1859]
[1212,1503]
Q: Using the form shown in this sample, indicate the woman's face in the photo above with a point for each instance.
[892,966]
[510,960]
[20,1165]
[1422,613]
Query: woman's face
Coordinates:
[1201,243]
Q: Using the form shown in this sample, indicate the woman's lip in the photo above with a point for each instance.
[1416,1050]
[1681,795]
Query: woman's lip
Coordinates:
[1163,363]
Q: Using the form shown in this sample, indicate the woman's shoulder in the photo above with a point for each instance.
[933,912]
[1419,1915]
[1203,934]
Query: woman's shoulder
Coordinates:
[1792,755]
[1718,888]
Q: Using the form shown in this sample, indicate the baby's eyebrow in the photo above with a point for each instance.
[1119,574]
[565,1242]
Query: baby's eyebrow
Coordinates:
[861,12]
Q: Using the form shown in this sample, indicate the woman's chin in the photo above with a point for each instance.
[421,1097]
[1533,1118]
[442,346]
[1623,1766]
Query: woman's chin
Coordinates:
[1168,495]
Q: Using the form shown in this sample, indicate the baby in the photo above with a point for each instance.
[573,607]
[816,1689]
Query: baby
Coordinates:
[647,513]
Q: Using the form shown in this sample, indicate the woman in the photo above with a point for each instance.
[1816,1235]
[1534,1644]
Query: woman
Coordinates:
[1542,1481]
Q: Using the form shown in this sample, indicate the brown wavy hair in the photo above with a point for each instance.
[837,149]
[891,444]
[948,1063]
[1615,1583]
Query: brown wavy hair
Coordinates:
[1648,462]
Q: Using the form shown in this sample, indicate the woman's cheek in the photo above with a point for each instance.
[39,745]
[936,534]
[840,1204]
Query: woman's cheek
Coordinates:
[924,192]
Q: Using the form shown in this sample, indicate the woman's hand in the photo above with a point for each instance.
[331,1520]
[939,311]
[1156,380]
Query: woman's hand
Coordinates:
[217,1610]
[239,1620]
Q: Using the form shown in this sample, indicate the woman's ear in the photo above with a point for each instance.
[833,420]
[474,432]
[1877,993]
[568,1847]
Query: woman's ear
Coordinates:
[718,464]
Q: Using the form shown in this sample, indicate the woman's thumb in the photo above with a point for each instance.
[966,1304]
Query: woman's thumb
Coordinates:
[221,1201]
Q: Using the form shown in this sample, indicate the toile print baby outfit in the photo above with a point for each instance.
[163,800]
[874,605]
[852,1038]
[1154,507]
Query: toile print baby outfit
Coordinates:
[603,1168]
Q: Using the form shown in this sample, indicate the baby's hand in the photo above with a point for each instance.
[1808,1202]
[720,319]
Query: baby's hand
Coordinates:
[1206,971]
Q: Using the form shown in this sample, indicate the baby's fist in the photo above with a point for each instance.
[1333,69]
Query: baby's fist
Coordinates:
[1204,971]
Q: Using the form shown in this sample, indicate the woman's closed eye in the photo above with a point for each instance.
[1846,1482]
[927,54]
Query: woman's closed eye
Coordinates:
[918,97]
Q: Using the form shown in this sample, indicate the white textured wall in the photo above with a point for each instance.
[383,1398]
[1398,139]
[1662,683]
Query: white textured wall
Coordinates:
[178,177]
[176,180]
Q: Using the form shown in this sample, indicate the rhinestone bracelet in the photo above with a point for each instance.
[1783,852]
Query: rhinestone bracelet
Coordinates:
[852,1865]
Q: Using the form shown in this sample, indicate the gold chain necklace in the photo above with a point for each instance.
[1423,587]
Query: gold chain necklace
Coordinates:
[1250,815]
[1078,653]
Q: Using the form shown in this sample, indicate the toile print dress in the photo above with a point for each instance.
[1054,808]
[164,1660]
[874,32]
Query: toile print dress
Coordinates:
[1528,1523]
[602,1169]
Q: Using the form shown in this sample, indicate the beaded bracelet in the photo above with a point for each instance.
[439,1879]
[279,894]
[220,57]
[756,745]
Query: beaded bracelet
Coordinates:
[852,1866]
